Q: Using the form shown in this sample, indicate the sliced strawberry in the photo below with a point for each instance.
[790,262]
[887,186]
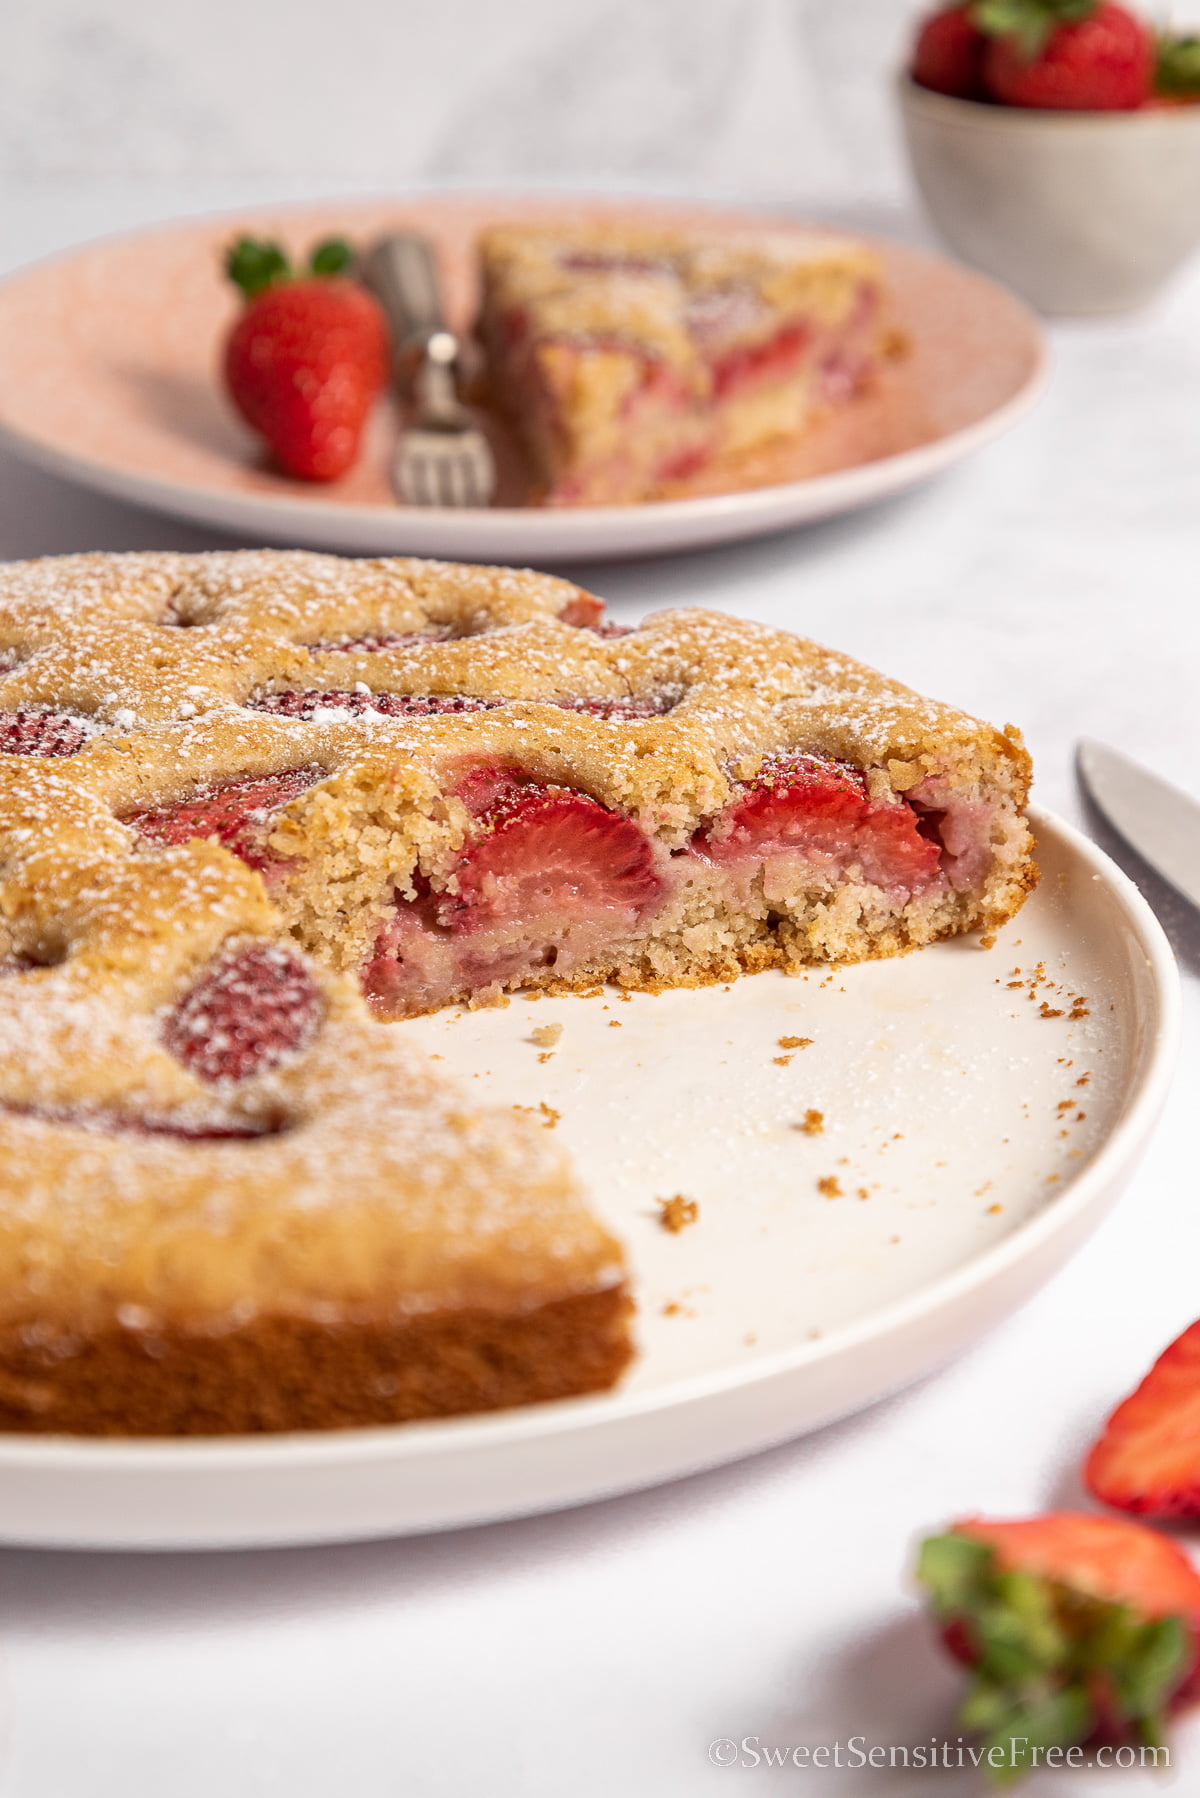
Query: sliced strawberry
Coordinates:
[625,708]
[236,813]
[370,642]
[28,731]
[549,850]
[1148,1459]
[771,360]
[584,611]
[803,805]
[253,1008]
[487,783]
[304,703]
[1074,1627]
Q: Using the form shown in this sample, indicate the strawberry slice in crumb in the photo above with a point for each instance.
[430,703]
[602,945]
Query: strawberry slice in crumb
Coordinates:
[1075,1627]
[548,850]
[253,1008]
[236,813]
[804,805]
[28,731]
[1148,1458]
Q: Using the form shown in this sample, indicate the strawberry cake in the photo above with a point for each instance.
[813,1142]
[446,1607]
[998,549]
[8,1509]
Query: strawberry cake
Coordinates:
[248,800]
[632,357]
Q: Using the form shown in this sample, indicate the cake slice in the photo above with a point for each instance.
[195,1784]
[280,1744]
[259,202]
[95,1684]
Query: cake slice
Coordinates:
[631,357]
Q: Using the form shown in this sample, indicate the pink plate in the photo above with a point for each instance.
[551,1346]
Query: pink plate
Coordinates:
[108,375]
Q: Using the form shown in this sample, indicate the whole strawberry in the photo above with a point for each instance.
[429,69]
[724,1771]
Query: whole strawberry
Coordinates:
[948,54]
[308,356]
[1066,55]
[1074,1628]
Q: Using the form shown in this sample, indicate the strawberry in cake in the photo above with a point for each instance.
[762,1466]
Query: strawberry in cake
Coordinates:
[251,804]
[632,357]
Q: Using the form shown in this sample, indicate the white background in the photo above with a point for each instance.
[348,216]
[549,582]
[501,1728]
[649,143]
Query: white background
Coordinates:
[1052,581]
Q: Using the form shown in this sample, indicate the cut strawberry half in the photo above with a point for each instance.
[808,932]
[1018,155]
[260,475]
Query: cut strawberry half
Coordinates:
[303,703]
[545,851]
[28,731]
[254,1008]
[1074,1627]
[236,813]
[804,805]
[1148,1459]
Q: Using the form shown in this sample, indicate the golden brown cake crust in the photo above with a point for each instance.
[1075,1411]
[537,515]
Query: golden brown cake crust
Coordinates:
[382,1249]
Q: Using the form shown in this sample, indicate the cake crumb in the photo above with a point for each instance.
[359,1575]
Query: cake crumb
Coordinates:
[782,1061]
[675,1214]
[750,1339]
[545,1035]
[812,1123]
[829,1186]
[863,1193]
[988,941]
[614,1024]
[546,1055]
[795,1042]
[548,1112]
[672,1309]
[993,1210]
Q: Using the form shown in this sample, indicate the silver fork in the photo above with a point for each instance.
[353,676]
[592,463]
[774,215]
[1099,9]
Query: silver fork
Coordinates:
[442,458]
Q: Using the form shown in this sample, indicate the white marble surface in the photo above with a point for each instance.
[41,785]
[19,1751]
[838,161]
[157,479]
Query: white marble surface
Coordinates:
[1051,581]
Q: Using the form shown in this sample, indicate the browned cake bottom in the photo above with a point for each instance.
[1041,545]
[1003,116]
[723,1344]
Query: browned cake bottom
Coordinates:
[291,1374]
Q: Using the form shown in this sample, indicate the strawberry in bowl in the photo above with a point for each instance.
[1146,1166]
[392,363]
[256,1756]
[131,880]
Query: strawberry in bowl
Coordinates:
[1055,148]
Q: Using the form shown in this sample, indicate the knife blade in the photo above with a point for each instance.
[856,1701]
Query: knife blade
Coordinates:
[1155,818]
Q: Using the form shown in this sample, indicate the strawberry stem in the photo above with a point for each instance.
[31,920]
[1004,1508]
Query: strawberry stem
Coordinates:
[254,264]
[1028,22]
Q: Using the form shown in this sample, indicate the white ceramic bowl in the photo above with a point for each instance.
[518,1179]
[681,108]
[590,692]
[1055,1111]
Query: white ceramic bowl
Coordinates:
[1079,212]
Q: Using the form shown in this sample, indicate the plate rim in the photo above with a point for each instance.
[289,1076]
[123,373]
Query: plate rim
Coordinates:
[435,1437]
[641,528]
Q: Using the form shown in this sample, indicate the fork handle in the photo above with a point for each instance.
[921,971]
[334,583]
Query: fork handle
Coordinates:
[402,274]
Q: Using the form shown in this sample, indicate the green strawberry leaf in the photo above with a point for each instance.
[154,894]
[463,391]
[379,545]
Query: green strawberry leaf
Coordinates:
[1152,1667]
[333,256]
[1177,67]
[1059,1719]
[955,1571]
[254,264]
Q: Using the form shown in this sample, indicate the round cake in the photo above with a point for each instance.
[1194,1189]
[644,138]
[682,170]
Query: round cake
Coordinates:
[254,808]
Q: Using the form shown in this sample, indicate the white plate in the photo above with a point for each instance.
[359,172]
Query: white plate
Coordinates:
[108,376]
[943,1090]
